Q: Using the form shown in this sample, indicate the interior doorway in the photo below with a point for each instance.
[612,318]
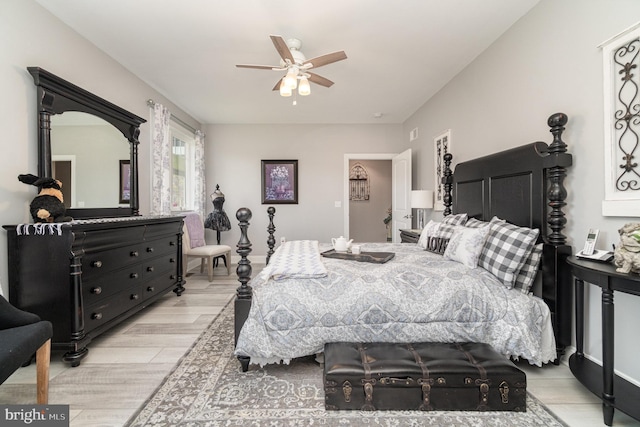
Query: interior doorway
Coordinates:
[63,169]
[370,199]
[401,190]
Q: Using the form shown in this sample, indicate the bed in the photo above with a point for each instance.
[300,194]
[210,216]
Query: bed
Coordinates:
[420,295]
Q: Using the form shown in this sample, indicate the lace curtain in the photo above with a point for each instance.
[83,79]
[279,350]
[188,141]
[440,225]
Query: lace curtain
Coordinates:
[199,184]
[161,166]
[161,169]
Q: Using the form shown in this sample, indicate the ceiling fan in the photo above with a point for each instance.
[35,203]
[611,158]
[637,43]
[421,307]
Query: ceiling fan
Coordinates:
[297,67]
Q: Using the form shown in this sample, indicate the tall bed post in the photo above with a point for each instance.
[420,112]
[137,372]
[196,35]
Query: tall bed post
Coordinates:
[271,240]
[556,281]
[447,181]
[244,292]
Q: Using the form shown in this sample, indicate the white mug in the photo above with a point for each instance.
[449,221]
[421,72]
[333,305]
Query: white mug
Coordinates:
[355,249]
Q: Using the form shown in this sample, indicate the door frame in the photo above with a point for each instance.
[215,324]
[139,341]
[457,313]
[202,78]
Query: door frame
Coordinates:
[356,156]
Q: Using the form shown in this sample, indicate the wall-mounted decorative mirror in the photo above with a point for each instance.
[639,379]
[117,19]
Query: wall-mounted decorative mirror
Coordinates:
[89,144]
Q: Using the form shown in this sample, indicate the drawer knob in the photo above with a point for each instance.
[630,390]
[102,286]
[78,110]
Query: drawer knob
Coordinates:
[96,264]
[96,316]
[149,268]
[149,249]
[172,243]
[172,260]
[134,296]
[151,289]
[134,253]
[97,290]
[134,275]
[172,277]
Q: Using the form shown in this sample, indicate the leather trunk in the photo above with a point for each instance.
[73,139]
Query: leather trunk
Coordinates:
[421,376]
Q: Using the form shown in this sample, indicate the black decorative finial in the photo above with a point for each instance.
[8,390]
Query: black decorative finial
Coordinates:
[244,249]
[271,240]
[557,122]
[447,183]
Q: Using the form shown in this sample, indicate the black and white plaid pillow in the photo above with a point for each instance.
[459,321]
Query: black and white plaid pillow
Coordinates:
[457,219]
[506,250]
[475,223]
[527,274]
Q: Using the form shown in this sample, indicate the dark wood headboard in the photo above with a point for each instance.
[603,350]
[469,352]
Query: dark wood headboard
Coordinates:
[524,185]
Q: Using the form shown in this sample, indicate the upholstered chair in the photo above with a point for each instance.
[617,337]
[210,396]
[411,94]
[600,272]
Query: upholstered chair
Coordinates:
[194,246]
[22,335]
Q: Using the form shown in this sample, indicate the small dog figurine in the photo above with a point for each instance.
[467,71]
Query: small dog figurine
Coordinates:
[627,254]
[48,205]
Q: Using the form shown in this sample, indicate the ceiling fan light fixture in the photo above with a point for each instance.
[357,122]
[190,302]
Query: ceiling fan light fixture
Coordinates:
[284,89]
[291,79]
[304,88]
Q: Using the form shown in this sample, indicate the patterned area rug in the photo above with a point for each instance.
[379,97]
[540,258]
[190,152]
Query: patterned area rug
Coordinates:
[207,388]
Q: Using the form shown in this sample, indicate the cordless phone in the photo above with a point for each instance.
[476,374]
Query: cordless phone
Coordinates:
[590,244]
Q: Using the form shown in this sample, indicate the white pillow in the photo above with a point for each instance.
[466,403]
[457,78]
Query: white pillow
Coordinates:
[466,244]
[429,230]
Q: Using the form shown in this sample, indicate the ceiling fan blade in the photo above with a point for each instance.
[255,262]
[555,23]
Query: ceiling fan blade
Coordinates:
[277,86]
[319,80]
[329,58]
[282,48]
[260,67]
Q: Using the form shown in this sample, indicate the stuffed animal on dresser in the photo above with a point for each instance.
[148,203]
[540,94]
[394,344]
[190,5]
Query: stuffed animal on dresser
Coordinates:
[627,254]
[48,205]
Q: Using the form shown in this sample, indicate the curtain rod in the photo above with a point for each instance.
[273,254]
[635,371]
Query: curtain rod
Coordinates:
[151,103]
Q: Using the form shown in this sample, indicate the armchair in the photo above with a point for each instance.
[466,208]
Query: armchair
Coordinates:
[21,335]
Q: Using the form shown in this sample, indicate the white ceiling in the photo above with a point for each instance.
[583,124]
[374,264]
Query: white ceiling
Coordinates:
[400,52]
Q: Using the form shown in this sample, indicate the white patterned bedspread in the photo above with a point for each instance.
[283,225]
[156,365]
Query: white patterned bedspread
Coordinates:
[297,259]
[416,297]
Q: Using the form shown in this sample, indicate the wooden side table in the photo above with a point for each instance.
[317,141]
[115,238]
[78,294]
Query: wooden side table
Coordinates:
[615,392]
[410,236]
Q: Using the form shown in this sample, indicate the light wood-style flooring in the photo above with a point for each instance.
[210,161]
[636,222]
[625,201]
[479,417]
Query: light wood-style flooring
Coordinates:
[127,364]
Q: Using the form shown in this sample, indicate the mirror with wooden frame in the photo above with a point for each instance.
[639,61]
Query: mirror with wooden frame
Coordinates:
[89,144]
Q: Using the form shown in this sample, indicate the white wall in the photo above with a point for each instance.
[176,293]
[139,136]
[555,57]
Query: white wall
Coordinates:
[233,161]
[31,36]
[547,62]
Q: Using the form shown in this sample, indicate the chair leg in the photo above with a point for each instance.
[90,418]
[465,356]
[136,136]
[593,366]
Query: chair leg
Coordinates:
[202,261]
[210,268]
[227,262]
[43,358]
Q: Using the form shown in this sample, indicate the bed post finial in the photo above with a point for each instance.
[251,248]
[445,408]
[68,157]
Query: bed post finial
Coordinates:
[558,160]
[244,249]
[271,241]
[447,181]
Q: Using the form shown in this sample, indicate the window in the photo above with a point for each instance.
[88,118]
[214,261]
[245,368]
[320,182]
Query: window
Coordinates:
[182,168]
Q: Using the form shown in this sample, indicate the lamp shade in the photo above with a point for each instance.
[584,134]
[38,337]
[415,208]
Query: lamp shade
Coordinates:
[422,199]
[304,88]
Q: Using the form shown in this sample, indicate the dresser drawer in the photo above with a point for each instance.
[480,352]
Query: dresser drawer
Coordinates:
[111,307]
[158,266]
[98,264]
[103,286]
[160,284]
[164,245]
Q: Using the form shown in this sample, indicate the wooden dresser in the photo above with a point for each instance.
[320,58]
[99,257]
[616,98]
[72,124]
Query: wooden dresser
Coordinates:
[89,275]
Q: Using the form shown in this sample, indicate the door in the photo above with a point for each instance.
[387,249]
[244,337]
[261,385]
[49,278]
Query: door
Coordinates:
[401,193]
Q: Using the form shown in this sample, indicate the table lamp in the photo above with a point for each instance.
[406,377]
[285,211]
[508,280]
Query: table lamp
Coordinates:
[421,200]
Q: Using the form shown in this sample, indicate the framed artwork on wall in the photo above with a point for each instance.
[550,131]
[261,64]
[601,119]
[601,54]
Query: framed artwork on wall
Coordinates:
[125,181]
[621,61]
[441,146]
[280,182]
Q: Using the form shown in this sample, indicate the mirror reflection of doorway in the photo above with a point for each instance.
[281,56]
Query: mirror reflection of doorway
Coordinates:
[62,168]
